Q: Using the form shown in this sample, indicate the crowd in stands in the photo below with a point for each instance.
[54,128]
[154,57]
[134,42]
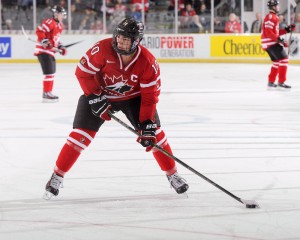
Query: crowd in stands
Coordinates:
[194,16]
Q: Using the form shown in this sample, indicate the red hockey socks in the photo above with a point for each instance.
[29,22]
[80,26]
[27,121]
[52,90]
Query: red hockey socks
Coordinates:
[274,72]
[166,164]
[78,140]
[282,70]
[48,82]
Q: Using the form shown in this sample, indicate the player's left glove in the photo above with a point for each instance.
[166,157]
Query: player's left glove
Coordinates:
[290,28]
[147,138]
[46,43]
[282,42]
[99,105]
[62,50]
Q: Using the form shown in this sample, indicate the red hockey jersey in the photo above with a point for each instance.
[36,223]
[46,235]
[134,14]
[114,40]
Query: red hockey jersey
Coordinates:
[270,30]
[233,27]
[51,30]
[101,69]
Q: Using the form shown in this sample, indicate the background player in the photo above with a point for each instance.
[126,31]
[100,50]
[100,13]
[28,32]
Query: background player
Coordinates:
[48,36]
[274,44]
[117,74]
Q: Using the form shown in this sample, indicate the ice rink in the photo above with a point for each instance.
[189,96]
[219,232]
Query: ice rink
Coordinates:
[219,118]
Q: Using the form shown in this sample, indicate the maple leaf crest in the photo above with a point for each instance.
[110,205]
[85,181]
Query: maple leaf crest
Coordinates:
[117,84]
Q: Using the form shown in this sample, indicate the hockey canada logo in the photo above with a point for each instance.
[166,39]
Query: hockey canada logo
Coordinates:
[117,84]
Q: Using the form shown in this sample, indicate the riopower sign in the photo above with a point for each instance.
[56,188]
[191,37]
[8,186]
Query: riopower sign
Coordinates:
[5,47]
[171,46]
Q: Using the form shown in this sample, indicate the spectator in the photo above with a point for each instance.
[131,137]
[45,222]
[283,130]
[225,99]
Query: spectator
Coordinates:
[282,23]
[297,23]
[245,25]
[172,5]
[132,12]
[189,19]
[97,25]
[233,25]
[24,5]
[197,5]
[256,25]
[204,17]
[219,25]
[89,18]
[139,5]
[117,16]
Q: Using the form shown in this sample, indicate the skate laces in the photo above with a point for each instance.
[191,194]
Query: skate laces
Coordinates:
[56,181]
[176,181]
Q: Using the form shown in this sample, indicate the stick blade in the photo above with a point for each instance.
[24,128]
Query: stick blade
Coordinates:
[250,203]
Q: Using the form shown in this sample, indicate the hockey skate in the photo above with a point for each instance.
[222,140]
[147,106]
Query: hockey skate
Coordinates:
[178,183]
[284,87]
[49,97]
[272,86]
[52,186]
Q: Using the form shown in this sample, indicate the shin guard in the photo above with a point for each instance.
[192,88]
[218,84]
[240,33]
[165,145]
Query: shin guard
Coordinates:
[282,70]
[166,163]
[274,72]
[78,140]
[48,82]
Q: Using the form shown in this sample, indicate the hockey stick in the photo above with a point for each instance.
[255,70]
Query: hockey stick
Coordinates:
[294,5]
[71,44]
[248,203]
[56,49]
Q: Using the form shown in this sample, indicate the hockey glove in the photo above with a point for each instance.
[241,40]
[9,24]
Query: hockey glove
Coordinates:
[290,28]
[62,50]
[99,106]
[46,43]
[147,138]
[282,42]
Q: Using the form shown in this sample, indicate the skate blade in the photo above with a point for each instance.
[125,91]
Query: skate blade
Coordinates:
[184,195]
[48,195]
[272,88]
[284,89]
[49,100]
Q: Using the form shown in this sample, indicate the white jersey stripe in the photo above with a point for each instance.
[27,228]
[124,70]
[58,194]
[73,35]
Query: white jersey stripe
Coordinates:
[76,142]
[82,68]
[83,133]
[91,65]
[150,84]
[46,27]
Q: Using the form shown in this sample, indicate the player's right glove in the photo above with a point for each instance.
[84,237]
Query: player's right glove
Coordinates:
[46,43]
[99,106]
[62,50]
[290,28]
[282,42]
[147,138]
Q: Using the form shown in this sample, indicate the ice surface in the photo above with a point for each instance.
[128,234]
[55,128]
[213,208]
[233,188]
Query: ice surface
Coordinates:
[219,119]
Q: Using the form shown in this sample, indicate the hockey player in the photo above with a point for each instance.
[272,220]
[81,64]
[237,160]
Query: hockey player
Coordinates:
[274,44]
[48,36]
[117,74]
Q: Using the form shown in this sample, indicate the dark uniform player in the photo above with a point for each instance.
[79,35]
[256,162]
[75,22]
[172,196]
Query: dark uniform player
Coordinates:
[48,34]
[117,74]
[274,44]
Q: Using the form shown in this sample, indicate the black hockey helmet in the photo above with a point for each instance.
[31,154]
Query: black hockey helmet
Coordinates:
[129,28]
[58,9]
[272,3]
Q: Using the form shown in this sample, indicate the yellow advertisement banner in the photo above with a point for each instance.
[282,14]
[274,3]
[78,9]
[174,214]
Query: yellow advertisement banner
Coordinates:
[236,46]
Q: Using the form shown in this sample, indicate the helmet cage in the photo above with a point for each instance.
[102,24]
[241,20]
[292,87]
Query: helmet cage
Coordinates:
[272,3]
[129,28]
[58,9]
